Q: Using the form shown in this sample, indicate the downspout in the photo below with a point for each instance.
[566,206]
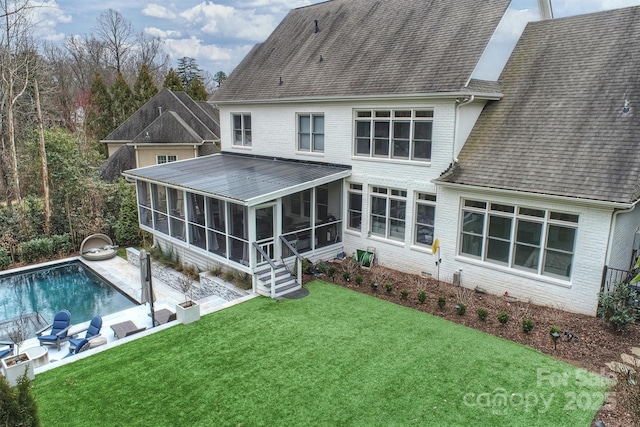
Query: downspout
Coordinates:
[455,125]
[614,219]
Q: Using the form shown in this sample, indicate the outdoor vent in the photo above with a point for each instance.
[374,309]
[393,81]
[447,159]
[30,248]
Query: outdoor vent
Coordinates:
[317,29]
[456,278]
[425,274]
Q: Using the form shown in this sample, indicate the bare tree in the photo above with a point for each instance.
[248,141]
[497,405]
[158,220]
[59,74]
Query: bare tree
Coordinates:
[149,51]
[116,32]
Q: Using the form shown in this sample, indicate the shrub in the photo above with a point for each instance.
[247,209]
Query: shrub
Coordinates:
[18,405]
[527,325]
[616,307]
[461,308]
[554,330]
[404,294]
[5,259]
[346,275]
[388,287]
[321,267]
[358,279]
[442,301]
[422,297]
[503,317]
[62,244]
[483,314]
[36,249]
[331,271]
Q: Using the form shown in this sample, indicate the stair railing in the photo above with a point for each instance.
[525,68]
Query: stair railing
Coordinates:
[271,264]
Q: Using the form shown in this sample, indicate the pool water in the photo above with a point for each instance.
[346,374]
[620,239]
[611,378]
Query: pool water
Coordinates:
[45,291]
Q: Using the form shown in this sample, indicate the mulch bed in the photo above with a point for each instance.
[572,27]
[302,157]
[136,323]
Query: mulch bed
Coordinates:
[593,344]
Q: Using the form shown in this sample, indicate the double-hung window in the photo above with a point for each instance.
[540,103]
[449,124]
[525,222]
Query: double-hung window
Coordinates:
[425,217]
[354,207]
[311,133]
[394,134]
[388,210]
[535,240]
[242,130]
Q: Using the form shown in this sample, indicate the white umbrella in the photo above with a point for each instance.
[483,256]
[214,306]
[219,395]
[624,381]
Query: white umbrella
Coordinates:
[147,295]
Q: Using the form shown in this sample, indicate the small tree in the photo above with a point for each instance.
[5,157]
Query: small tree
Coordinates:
[197,91]
[18,333]
[219,77]
[17,406]
[186,286]
[127,230]
[172,81]
[144,88]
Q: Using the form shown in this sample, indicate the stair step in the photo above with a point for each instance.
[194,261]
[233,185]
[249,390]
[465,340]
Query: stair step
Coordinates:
[266,268]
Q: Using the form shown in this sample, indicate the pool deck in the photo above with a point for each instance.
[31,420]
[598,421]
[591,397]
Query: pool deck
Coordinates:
[126,277]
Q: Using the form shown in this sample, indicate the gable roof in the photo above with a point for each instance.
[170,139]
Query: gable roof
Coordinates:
[192,115]
[169,128]
[367,47]
[560,128]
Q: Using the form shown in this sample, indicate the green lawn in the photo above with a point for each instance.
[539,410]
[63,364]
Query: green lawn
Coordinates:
[336,357]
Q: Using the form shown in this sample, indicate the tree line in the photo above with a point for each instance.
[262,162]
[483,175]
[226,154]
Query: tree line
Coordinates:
[56,103]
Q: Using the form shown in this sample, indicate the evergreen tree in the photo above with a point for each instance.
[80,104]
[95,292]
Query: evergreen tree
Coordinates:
[26,403]
[219,77]
[144,89]
[99,119]
[197,91]
[9,409]
[172,81]
[188,70]
[127,230]
[123,105]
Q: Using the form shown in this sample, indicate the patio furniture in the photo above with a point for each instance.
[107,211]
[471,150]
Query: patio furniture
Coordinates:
[59,330]
[7,349]
[163,316]
[82,346]
[39,356]
[93,331]
[125,329]
[98,247]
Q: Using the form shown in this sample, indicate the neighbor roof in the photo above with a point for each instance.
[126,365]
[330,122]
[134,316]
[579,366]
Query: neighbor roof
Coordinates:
[367,47]
[561,128]
[246,179]
[194,118]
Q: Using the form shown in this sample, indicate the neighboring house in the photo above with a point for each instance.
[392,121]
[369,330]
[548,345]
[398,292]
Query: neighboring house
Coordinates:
[354,125]
[169,127]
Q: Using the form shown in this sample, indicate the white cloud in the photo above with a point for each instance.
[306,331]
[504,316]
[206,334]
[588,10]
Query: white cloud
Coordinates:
[513,24]
[163,34]
[574,7]
[193,47]
[158,11]
[45,17]
[274,6]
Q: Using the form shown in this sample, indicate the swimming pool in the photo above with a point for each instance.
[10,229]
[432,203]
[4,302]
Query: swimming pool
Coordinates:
[69,285]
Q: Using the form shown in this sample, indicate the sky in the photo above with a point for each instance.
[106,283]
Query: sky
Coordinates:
[217,33]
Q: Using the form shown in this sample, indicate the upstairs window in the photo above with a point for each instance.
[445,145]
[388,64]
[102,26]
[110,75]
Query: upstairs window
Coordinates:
[163,158]
[311,133]
[394,134]
[242,130]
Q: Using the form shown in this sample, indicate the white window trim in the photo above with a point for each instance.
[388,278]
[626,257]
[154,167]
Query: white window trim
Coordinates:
[418,202]
[247,141]
[353,189]
[389,196]
[168,158]
[312,133]
[391,119]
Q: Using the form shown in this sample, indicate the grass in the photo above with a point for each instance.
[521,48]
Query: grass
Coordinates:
[336,357]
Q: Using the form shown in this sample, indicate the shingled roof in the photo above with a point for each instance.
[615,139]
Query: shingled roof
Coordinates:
[194,118]
[367,47]
[561,128]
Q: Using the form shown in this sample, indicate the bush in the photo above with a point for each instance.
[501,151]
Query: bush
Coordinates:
[442,301]
[461,308]
[346,275]
[321,267]
[17,405]
[62,244]
[422,296]
[359,279]
[527,325]
[36,249]
[554,330]
[388,287]
[483,314]
[503,317]
[404,294]
[331,271]
[616,307]
[5,259]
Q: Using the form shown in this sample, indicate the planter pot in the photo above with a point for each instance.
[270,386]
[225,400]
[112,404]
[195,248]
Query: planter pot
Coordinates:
[14,367]
[187,312]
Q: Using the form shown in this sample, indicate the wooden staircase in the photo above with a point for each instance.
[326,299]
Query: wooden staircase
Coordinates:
[285,282]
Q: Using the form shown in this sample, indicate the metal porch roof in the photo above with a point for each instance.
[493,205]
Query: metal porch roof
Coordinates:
[249,180]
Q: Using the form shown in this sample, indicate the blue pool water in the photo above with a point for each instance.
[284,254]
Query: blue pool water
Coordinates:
[69,285]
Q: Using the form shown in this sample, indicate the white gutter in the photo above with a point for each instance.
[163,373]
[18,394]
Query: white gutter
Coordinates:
[614,219]
[342,98]
[561,199]
[455,125]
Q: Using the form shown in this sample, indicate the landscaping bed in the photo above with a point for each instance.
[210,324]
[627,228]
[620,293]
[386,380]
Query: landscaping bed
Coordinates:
[585,341]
